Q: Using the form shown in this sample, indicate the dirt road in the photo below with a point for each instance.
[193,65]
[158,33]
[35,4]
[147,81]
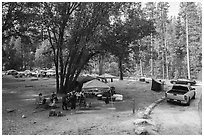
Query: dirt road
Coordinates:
[177,119]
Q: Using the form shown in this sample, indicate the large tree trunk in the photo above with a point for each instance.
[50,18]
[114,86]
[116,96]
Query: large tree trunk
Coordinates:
[163,66]
[120,68]
[62,76]
[69,86]
[166,61]
[151,54]
[101,64]
[141,68]
[77,64]
[57,75]
[187,50]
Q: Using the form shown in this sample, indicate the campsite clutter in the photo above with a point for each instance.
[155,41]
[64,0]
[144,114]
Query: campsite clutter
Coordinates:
[90,88]
[101,90]
[157,84]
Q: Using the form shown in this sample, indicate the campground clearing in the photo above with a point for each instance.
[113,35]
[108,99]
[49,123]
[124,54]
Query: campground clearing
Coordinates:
[18,94]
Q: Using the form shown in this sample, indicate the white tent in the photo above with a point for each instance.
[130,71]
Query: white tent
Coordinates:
[95,84]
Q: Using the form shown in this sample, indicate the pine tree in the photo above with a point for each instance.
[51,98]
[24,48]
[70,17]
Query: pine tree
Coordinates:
[190,12]
[161,22]
[150,10]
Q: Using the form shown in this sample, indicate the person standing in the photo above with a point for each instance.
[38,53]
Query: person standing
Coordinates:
[82,99]
[73,100]
[65,102]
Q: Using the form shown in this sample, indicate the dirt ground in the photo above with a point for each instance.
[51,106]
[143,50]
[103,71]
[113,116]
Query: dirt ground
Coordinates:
[115,118]
[174,118]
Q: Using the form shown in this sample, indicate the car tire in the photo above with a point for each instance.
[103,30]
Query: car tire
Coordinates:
[188,103]
[168,100]
[194,95]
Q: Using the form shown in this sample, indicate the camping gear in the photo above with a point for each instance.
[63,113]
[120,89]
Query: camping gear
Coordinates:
[118,96]
[157,85]
[95,84]
[99,97]
[53,113]
[142,79]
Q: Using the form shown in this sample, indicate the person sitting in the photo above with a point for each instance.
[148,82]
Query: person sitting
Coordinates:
[40,100]
[53,104]
[53,97]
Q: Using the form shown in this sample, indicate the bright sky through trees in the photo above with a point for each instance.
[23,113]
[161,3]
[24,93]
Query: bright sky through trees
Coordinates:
[173,9]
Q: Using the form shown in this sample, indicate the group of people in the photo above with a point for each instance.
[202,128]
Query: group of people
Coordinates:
[41,100]
[71,98]
[68,100]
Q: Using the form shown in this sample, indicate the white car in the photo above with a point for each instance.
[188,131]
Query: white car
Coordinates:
[20,74]
[181,93]
[11,72]
[50,73]
[27,73]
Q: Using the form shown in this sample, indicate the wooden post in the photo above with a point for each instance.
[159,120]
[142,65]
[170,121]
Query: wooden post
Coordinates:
[133,106]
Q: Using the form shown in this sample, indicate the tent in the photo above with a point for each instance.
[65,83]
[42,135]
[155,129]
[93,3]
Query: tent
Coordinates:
[95,87]
[84,79]
[95,84]
[156,85]
[106,76]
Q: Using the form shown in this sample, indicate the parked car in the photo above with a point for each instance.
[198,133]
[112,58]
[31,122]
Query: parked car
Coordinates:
[11,72]
[181,93]
[42,73]
[20,74]
[27,73]
[183,81]
[50,73]
[33,73]
[3,73]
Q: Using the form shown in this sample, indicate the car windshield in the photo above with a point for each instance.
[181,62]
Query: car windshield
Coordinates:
[180,88]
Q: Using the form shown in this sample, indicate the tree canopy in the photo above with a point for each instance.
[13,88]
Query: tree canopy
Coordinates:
[71,35]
